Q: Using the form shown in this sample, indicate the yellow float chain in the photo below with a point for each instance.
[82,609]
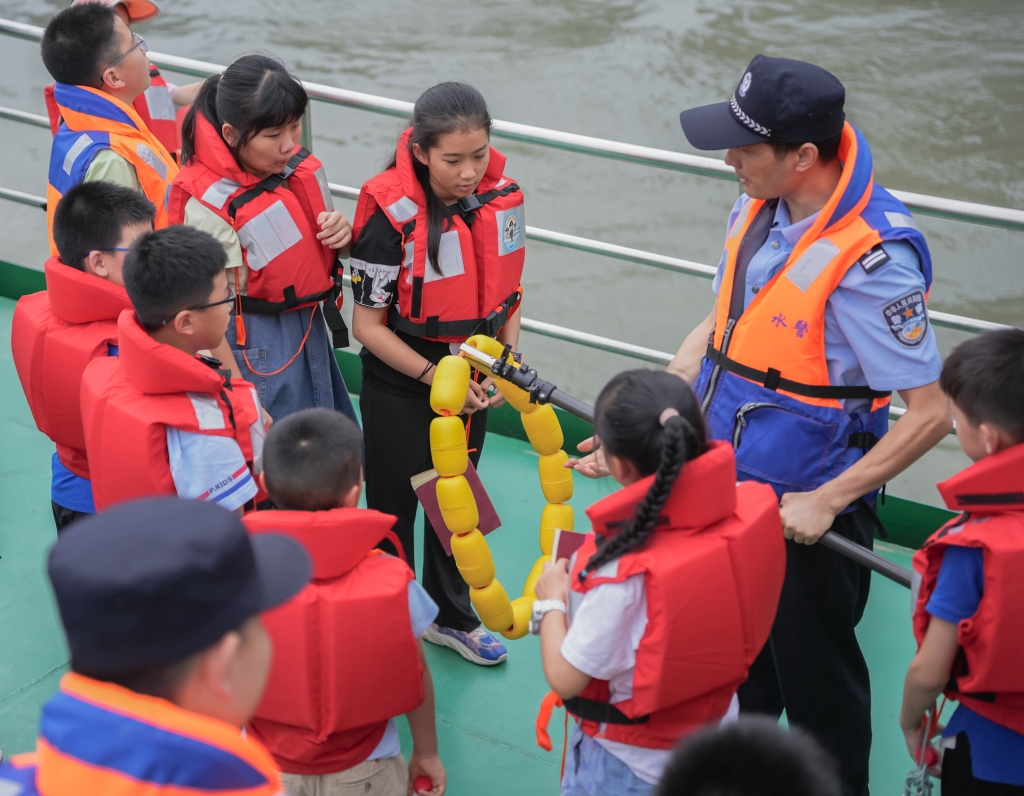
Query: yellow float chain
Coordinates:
[448,448]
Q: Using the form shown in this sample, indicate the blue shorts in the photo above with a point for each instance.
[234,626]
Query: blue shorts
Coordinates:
[591,770]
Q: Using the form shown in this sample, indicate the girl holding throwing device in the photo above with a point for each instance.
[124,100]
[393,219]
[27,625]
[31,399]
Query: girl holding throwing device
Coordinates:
[438,255]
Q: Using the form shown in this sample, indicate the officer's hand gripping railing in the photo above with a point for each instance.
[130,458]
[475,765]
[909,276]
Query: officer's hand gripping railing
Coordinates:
[543,392]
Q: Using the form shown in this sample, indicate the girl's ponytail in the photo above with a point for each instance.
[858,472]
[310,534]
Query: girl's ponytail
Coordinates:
[653,420]
[205,103]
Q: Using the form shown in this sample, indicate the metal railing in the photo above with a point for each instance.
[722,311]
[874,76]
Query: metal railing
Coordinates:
[694,164]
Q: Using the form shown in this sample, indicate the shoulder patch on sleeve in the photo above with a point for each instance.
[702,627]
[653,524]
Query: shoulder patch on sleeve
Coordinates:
[907,319]
[874,259]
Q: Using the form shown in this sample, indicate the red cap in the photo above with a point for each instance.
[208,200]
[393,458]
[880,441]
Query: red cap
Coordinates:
[138,10]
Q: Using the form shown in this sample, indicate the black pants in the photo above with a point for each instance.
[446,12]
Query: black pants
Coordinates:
[63,517]
[396,434]
[958,775]
[812,665]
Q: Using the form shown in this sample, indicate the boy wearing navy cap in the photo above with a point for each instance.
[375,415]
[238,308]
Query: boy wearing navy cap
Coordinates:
[820,314]
[160,601]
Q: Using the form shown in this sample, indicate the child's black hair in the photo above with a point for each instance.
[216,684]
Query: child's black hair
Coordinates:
[255,93]
[79,42]
[752,757]
[440,110]
[311,459]
[627,421]
[92,216]
[984,377]
[170,270]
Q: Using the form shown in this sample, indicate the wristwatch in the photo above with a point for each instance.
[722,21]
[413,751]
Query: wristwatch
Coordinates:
[541,607]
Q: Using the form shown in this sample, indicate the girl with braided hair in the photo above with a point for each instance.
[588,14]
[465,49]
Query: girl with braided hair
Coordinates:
[647,632]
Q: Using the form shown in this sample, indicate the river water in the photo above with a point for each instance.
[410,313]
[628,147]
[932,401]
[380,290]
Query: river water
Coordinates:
[937,87]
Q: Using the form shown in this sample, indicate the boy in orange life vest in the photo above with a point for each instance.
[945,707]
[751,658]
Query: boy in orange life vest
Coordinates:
[160,600]
[160,419]
[161,103]
[101,68]
[57,332]
[968,602]
[656,636]
[348,655]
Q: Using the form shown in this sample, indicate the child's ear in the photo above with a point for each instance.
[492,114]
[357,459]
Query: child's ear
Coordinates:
[351,498]
[262,478]
[95,266]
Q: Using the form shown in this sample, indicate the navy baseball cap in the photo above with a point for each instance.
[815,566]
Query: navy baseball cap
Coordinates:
[777,99]
[153,581]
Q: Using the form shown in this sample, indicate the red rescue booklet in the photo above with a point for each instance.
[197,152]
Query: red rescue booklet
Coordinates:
[423,485]
[566,543]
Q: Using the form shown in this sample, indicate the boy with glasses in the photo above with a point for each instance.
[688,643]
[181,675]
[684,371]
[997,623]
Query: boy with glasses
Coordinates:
[163,418]
[101,68]
[56,333]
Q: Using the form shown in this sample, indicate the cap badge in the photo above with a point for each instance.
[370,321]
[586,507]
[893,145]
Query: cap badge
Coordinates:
[745,84]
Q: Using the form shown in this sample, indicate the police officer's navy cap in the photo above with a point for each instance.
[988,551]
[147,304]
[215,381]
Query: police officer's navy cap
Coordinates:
[152,581]
[777,99]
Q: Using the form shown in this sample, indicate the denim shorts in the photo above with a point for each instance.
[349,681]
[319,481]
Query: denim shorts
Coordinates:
[591,770]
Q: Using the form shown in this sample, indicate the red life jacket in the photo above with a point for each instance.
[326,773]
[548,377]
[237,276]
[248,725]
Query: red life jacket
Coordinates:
[154,105]
[481,261]
[129,401]
[987,676]
[276,223]
[713,574]
[54,335]
[345,658]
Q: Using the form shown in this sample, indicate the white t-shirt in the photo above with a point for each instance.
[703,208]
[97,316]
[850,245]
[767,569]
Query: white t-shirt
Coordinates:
[605,628]
[208,467]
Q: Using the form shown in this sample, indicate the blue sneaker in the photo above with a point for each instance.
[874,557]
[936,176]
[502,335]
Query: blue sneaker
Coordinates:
[477,646]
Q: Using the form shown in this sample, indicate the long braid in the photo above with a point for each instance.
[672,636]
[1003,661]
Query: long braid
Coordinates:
[673,456]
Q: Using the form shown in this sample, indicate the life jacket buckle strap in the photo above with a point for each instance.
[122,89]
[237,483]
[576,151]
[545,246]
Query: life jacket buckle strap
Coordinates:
[600,712]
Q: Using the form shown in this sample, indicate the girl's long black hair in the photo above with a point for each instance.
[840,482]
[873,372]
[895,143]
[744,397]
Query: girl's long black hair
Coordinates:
[440,110]
[627,421]
[255,93]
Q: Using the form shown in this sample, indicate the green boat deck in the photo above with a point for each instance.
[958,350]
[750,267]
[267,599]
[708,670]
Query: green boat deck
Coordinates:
[485,716]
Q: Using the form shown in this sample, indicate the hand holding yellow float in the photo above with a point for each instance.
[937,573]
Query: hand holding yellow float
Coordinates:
[511,618]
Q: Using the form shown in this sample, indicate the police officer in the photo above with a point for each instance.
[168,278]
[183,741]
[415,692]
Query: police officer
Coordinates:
[820,314]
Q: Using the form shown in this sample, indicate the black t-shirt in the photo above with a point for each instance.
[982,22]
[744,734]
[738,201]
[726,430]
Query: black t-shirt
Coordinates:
[376,261]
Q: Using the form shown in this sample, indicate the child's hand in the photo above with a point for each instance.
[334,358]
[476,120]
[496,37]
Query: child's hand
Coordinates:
[593,465]
[496,399]
[554,583]
[428,766]
[336,229]
[915,740]
[476,398]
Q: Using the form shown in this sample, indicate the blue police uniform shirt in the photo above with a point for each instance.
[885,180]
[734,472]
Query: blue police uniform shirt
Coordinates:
[997,752]
[860,346]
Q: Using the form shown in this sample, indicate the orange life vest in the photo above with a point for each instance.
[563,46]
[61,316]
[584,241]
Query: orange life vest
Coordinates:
[987,675]
[764,382]
[54,335]
[276,223]
[713,572]
[99,738]
[482,251]
[155,107]
[128,402]
[93,121]
[345,658]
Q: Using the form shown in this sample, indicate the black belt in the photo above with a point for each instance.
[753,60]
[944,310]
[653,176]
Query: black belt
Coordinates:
[329,297]
[772,379]
[602,712]
[434,328]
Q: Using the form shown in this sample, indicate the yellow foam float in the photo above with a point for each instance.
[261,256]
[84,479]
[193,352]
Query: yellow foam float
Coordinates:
[450,456]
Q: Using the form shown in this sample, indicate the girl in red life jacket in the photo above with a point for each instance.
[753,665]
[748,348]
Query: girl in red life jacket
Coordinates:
[247,181]
[642,632]
[445,210]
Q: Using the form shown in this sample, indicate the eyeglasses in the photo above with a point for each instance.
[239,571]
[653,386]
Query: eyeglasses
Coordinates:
[231,297]
[140,43]
[115,249]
